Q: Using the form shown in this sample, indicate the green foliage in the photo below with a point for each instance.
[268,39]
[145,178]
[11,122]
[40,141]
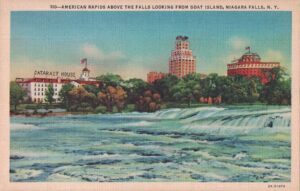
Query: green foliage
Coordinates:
[16,94]
[164,86]
[100,109]
[91,89]
[63,94]
[278,89]
[49,94]
[110,79]
[134,88]
[211,86]
[187,89]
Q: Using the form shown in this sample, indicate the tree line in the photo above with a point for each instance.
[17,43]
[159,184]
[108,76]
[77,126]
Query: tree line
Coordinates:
[114,93]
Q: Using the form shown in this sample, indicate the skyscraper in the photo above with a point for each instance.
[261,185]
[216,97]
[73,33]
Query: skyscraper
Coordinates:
[182,61]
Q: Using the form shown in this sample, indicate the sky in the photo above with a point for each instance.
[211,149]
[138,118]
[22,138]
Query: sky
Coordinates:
[133,43]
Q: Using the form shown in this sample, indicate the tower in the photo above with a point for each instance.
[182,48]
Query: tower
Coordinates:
[85,74]
[182,61]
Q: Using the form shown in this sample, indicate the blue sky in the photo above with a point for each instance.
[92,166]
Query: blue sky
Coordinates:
[133,43]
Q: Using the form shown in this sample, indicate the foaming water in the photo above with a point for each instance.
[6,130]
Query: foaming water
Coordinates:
[240,144]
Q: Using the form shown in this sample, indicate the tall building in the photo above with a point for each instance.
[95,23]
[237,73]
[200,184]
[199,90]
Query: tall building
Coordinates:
[182,61]
[250,64]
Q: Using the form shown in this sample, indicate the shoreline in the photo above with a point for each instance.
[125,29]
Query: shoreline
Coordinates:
[50,114]
[65,113]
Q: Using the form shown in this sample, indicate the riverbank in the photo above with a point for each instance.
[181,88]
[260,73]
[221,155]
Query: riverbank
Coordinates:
[48,114]
[58,111]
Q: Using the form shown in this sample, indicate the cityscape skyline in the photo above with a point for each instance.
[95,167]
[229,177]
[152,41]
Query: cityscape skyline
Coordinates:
[134,43]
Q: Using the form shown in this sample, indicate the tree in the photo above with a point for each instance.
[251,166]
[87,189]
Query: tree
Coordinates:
[253,94]
[63,93]
[210,86]
[134,88]
[276,74]
[16,93]
[164,86]
[81,100]
[92,89]
[187,90]
[112,96]
[278,89]
[110,80]
[49,94]
[148,102]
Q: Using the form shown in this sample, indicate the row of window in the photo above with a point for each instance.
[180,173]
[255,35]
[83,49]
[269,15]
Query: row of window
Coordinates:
[42,89]
[182,46]
[183,53]
[251,66]
[246,72]
[184,68]
[183,61]
[42,85]
[42,93]
[39,100]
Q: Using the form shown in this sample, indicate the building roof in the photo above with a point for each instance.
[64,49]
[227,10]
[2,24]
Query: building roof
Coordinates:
[85,69]
[250,56]
[55,80]
[183,38]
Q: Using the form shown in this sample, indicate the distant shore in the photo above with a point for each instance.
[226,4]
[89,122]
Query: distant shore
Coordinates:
[50,113]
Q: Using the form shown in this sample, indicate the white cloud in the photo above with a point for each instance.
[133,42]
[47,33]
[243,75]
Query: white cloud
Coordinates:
[236,48]
[94,52]
[116,62]
[276,56]
[273,55]
[238,43]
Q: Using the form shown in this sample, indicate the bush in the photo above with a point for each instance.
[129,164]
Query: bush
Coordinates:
[100,109]
[31,106]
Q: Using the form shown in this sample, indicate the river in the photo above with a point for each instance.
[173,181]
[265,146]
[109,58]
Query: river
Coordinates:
[206,144]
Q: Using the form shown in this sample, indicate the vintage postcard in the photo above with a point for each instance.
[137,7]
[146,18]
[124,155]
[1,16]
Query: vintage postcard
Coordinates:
[184,95]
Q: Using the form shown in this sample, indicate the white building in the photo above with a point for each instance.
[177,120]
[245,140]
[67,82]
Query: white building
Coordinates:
[36,87]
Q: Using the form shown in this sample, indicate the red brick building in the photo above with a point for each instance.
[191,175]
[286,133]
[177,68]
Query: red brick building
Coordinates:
[250,64]
[152,76]
[182,61]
